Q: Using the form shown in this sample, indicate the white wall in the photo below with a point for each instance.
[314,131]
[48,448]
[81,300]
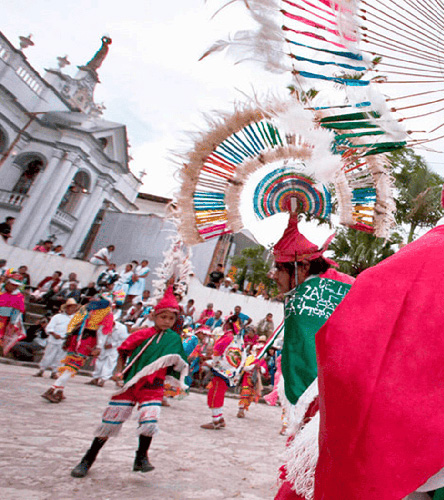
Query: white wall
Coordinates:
[255,307]
[41,264]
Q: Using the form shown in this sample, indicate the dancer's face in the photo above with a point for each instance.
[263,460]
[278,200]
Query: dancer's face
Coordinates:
[282,278]
[165,319]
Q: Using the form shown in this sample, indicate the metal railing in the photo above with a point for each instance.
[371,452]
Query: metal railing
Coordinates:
[11,199]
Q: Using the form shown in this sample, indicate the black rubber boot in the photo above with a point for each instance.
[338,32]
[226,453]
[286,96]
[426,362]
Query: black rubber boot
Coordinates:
[141,462]
[82,468]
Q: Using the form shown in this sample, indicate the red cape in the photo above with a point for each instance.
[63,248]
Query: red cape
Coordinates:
[381,379]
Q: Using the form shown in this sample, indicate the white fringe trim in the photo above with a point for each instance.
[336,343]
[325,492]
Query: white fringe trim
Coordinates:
[173,360]
[301,407]
[303,454]
[303,451]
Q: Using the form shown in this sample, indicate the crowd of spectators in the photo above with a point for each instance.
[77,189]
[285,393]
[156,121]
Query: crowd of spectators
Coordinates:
[132,307]
[218,280]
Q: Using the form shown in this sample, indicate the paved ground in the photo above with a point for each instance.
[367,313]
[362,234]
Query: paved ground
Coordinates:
[41,442]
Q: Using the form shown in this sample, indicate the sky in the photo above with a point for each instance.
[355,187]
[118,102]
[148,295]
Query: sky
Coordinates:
[152,79]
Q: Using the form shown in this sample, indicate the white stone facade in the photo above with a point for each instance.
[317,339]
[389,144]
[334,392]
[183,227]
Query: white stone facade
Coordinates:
[60,162]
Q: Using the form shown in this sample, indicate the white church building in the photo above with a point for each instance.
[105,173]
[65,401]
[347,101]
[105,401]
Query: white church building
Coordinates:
[61,164]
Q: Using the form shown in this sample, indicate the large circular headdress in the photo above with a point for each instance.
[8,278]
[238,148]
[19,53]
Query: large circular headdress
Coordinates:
[280,133]
[280,189]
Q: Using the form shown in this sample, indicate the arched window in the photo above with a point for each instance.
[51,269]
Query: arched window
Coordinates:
[31,166]
[78,188]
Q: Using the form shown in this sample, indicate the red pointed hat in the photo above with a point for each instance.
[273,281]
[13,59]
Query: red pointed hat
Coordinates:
[294,246]
[167,302]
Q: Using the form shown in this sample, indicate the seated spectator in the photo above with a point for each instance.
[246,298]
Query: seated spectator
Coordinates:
[108,277]
[266,326]
[72,278]
[103,256]
[226,285]
[189,308]
[34,342]
[144,298]
[243,319]
[57,250]
[133,314]
[235,288]
[44,247]
[145,321]
[87,292]
[216,277]
[26,279]
[215,321]
[250,338]
[205,314]
[56,301]
[188,312]
[6,227]
[47,287]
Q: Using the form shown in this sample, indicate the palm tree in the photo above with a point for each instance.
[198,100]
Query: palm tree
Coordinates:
[356,251]
[418,200]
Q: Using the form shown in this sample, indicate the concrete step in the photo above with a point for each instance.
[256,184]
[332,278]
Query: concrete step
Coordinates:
[32,307]
[32,318]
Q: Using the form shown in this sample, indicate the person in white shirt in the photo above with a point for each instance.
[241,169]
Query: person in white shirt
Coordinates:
[56,331]
[144,298]
[226,285]
[107,359]
[103,256]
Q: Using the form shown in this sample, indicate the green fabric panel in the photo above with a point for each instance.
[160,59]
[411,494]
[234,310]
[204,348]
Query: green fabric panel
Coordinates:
[438,494]
[306,310]
[169,343]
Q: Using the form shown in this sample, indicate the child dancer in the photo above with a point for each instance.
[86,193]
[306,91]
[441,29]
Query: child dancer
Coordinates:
[155,354]
[228,361]
[251,386]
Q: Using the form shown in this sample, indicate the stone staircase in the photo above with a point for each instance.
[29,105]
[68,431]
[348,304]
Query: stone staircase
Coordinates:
[33,312]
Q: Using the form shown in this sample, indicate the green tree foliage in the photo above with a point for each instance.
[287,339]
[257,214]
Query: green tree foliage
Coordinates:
[418,191]
[251,266]
[356,251]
